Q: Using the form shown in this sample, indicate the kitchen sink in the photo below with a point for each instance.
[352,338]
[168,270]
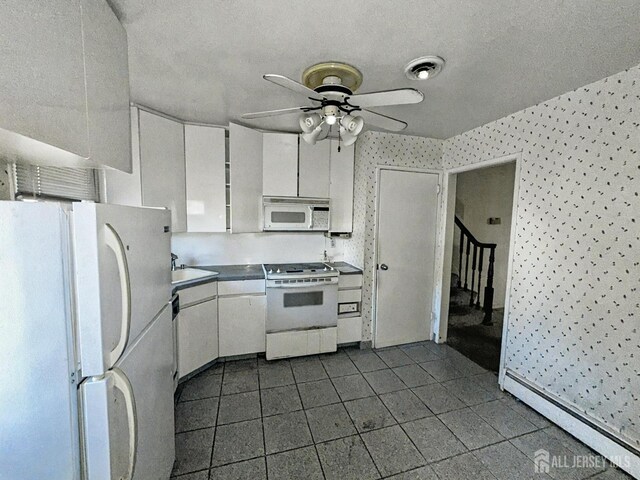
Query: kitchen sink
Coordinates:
[188,274]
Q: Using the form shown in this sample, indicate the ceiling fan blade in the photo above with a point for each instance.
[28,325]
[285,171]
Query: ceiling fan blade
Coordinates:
[382,121]
[273,113]
[292,85]
[401,96]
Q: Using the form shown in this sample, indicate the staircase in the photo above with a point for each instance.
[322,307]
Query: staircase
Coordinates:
[466,283]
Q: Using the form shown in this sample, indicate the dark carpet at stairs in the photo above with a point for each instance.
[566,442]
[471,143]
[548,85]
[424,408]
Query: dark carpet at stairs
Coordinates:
[467,335]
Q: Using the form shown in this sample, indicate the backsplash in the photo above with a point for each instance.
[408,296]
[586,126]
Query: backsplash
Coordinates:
[243,248]
[573,317]
[376,148]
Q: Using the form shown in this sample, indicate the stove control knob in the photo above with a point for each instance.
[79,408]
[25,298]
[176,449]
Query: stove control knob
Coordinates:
[326,268]
[271,270]
[278,271]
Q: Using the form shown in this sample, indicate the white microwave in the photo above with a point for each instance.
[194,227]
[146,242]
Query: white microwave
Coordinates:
[292,214]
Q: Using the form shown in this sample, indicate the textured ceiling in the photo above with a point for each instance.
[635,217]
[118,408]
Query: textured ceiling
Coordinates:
[202,60]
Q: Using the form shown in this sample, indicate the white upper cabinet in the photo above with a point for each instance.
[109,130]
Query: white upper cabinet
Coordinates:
[205,178]
[314,166]
[280,164]
[64,90]
[107,82]
[245,175]
[162,166]
[341,187]
[126,188]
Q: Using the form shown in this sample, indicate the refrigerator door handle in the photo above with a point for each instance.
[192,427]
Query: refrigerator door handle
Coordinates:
[114,242]
[121,382]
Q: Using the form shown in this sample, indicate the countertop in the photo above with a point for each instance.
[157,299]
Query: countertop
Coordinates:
[235,272]
[227,273]
[345,268]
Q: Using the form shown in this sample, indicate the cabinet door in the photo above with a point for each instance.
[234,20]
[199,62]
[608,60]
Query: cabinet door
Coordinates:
[242,324]
[204,151]
[314,166]
[280,164]
[107,82]
[197,336]
[162,166]
[341,188]
[42,90]
[245,176]
[126,188]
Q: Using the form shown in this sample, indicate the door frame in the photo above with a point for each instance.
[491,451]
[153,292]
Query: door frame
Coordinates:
[441,317]
[374,291]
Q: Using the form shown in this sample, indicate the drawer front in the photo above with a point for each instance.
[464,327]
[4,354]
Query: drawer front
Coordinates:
[349,330]
[349,296]
[241,287]
[189,296]
[297,343]
[350,281]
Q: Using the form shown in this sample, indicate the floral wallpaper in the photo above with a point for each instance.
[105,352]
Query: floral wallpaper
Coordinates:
[575,298]
[376,148]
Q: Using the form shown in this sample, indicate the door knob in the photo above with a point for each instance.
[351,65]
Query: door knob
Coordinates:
[384,267]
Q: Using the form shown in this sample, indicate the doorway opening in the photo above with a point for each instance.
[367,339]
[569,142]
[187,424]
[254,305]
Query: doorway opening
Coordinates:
[481,220]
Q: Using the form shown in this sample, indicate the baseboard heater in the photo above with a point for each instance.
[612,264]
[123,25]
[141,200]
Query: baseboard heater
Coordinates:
[617,450]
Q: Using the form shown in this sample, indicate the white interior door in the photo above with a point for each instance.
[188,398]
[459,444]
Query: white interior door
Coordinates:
[127,414]
[406,239]
[122,257]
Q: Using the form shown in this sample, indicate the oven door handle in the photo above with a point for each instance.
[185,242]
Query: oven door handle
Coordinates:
[313,285]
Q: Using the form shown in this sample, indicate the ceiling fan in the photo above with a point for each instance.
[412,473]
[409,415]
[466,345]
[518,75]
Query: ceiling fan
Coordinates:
[330,87]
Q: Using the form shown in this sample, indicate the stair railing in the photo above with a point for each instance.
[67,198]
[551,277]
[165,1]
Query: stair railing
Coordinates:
[477,261]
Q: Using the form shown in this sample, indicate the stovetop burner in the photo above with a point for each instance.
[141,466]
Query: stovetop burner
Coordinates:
[298,269]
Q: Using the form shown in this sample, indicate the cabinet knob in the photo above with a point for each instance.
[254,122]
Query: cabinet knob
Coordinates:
[384,266]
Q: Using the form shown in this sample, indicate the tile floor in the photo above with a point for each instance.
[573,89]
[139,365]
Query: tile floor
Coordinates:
[422,411]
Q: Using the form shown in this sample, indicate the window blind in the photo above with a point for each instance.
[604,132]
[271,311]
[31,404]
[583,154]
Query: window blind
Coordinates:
[34,181]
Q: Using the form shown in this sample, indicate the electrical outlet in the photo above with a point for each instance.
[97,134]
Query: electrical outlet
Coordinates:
[494,221]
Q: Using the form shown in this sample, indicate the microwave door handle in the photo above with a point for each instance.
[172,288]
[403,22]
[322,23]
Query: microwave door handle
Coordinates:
[310,218]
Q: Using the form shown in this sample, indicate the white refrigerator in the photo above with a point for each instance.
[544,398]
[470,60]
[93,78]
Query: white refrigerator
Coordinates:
[86,342]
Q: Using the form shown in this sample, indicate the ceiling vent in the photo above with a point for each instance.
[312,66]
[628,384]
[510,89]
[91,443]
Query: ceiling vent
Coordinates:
[424,68]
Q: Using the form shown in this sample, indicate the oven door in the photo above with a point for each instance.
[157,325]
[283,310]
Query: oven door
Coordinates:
[287,217]
[299,307]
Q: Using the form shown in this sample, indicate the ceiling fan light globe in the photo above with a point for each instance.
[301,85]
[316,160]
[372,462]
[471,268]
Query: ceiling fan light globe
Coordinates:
[348,138]
[308,123]
[352,125]
[330,119]
[312,137]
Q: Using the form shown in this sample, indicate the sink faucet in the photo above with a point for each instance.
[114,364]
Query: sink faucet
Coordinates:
[174,257]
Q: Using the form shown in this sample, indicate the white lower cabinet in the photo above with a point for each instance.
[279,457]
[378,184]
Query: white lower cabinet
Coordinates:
[197,336]
[242,324]
[349,329]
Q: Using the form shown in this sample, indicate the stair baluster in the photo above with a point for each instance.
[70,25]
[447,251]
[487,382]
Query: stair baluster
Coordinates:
[480,263]
[473,273]
[460,259]
[466,267]
[488,290]
[477,262]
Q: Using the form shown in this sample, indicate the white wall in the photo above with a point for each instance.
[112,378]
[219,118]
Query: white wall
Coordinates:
[480,194]
[574,310]
[244,248]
